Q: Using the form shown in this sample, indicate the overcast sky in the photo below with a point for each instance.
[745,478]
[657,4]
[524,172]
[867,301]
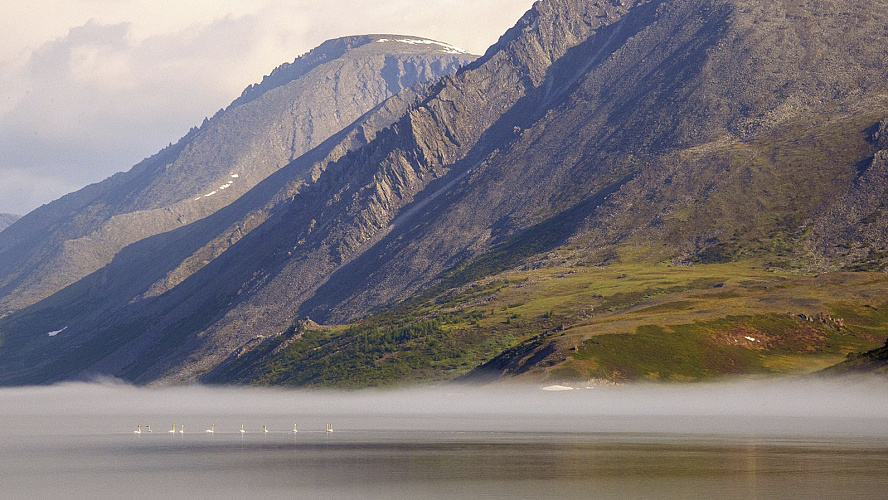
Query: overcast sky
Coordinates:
[91,87]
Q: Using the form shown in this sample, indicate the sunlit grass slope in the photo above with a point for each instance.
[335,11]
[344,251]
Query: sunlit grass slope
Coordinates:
[617,322]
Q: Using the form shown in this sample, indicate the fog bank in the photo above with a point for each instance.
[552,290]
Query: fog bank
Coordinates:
[836,407]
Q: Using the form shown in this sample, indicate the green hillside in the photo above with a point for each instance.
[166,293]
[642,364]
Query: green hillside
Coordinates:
[618,322]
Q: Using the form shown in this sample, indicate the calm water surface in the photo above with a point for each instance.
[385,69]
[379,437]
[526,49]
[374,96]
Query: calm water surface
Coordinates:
[758,441]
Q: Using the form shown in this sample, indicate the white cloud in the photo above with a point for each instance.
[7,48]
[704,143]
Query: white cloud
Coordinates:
[90,87]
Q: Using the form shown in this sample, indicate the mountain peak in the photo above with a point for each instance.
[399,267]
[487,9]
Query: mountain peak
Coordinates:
[286,72]
[336,48]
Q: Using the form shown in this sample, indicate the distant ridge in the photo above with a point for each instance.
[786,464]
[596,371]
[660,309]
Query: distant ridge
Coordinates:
[7,219]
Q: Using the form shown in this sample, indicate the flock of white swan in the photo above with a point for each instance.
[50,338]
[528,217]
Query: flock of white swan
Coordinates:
[212,429]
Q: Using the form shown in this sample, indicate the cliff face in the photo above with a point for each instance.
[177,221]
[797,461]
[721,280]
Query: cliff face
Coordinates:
[677,132]
[293,110]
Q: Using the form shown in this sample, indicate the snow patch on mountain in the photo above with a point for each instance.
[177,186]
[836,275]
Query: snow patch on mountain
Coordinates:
[220,188]
[56,332]
[445,47]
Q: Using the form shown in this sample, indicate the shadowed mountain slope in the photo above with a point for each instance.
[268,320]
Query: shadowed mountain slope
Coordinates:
[870,362]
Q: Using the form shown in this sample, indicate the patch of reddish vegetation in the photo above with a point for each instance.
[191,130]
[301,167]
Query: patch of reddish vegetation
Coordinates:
[800,338]
[743,336]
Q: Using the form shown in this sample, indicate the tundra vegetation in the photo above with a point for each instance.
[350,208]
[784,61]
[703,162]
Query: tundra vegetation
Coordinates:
[618,323]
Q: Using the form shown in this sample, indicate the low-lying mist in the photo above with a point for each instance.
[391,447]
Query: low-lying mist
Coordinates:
[853,407]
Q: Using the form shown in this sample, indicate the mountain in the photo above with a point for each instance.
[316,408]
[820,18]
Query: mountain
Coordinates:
[607,193]
[294,109]
[6,220]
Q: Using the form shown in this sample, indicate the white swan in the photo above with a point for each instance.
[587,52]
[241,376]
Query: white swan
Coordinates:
[329,427]
[264,428]
[138,430]
[148,428]
[242,429]
[212,429]
[294,428]
[173,430]
[182,429]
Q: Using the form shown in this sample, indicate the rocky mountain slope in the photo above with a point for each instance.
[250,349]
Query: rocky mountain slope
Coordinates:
[294,109]
[637,133]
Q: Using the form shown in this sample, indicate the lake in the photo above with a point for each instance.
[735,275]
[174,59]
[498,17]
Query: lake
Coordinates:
[762,439]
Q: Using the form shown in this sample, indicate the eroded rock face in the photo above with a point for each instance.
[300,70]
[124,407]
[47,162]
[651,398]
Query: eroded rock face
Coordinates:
[852,230]
[879,135]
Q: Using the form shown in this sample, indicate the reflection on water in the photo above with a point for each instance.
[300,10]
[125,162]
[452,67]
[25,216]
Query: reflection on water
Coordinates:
[777,440]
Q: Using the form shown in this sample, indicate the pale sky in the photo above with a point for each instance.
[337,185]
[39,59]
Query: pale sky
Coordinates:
[91,87]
